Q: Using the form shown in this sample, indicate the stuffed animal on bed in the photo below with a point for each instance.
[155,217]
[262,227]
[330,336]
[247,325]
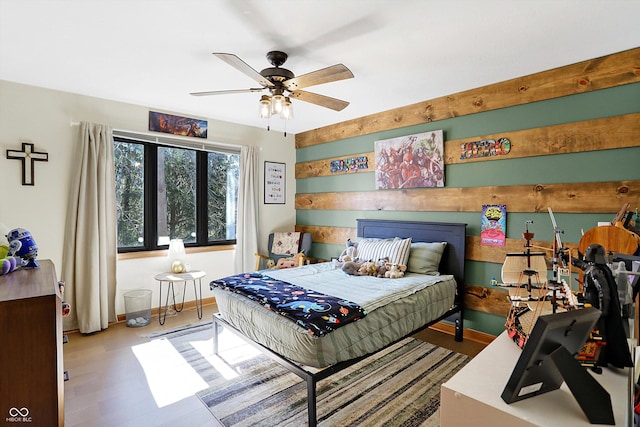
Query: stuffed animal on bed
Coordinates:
[368,268]
[351,267]
[382,266]
[350,253]
[395,271]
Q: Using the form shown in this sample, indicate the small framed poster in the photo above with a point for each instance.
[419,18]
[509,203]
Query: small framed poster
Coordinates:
[275,175]
[494,225]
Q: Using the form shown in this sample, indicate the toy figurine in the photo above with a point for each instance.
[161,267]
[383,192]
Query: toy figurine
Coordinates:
[600,290]
[22,245]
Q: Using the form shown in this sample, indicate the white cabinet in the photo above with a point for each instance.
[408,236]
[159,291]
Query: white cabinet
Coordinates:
[472,396]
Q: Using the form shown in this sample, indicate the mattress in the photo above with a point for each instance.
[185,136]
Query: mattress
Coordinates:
[395,308]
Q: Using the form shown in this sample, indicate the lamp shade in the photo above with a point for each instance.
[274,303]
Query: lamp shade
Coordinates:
[277,104]
[264,108]
[176,255]
[287,110]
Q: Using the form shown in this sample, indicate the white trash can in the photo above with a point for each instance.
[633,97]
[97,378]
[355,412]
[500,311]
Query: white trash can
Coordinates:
[137,304]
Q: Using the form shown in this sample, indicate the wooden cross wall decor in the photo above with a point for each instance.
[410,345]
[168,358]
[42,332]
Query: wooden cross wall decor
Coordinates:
[28,156]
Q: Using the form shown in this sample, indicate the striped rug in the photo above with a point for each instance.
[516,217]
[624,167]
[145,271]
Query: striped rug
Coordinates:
[399,386]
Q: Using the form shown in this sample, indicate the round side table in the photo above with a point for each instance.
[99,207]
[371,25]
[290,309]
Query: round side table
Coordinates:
[171,278]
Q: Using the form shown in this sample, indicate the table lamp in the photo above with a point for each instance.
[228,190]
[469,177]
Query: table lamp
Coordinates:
[176,256]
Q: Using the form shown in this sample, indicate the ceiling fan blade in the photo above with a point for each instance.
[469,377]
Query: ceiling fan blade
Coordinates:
[243,67]
[321,100]
[225,92]
[325,75]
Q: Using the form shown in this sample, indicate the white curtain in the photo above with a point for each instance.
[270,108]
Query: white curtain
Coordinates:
[247,224]
[90,248]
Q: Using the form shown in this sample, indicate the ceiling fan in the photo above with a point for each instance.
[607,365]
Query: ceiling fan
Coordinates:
[282,84]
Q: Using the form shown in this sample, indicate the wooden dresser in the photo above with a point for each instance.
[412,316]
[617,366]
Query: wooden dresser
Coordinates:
[31,368]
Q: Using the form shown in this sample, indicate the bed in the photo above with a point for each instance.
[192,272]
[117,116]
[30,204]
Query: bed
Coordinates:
[389,309]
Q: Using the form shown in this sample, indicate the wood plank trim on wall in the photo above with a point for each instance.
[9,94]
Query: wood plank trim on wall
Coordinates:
[592,135]
[475,251]
[332,235]
[593,197]
[599,73]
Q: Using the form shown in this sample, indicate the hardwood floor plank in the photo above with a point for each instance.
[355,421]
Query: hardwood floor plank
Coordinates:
[108,387]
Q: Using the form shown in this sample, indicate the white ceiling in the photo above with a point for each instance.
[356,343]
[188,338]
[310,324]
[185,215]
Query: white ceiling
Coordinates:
[154,52]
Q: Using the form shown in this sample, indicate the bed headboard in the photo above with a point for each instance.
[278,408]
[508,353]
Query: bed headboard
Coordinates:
[453,233]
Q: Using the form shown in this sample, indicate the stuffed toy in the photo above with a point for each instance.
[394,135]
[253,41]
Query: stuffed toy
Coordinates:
[66,307]
[368,268]
[351,267]
[7,265]
[7,262]
[350,253]
[291,262]
[395,271]
[286,263]
[382,266]
[23,246]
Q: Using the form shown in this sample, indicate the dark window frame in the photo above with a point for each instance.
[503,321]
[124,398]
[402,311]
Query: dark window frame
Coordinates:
[151,192]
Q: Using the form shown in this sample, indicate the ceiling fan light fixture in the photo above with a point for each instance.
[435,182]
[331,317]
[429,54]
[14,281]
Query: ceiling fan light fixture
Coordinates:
[280,81]
[264,108]
[277,103]
[287,109]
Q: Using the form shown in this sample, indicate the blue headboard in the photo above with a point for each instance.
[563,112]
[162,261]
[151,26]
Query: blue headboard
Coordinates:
[453,233]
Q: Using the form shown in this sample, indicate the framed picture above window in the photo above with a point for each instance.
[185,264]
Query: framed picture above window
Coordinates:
[275,175]
[178,125]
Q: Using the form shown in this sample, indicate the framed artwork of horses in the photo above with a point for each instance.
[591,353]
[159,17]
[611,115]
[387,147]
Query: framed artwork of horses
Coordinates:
[412,161]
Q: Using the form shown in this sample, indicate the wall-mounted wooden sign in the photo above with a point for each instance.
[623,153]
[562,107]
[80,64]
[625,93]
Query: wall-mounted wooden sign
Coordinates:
[484,148]
[350,164]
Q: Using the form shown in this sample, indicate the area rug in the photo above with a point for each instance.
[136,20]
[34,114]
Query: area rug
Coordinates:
[189,328]
[399,386]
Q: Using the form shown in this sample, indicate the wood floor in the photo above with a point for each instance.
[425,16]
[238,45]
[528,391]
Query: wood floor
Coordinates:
[108,387]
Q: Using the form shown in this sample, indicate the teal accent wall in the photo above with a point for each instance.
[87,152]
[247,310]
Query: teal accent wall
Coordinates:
[595,166]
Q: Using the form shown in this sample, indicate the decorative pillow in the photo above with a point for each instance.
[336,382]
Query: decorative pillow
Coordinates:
[425,257]
[287,243]
[397,250]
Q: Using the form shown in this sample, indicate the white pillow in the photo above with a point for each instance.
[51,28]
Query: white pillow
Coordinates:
[425,257]
[397,250]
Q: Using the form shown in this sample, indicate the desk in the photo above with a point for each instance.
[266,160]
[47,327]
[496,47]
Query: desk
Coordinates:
[171,278]
[473,394]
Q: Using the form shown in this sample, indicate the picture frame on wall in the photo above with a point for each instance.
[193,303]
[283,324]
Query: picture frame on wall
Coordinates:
[275,175]
[178,125]
[411,161]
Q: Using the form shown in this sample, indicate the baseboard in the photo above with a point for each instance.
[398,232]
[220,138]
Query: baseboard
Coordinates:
[469,334]
[187,305]
[444,327]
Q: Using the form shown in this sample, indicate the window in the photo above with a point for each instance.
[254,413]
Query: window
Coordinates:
[165,192]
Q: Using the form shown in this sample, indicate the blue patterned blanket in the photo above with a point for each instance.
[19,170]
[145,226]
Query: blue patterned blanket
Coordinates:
[316,312]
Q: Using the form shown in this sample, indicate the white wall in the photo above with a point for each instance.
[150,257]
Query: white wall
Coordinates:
[44,118]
